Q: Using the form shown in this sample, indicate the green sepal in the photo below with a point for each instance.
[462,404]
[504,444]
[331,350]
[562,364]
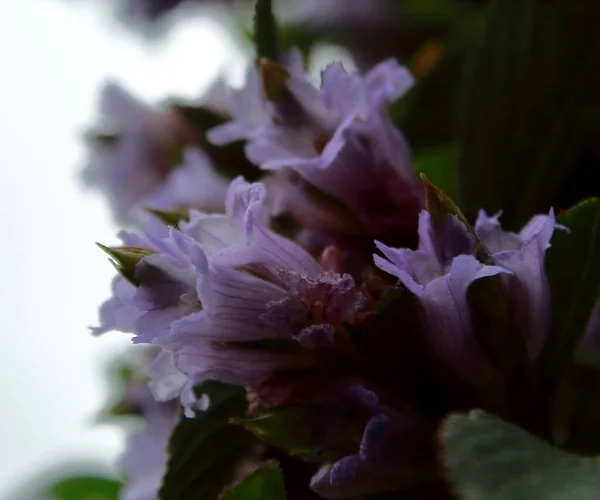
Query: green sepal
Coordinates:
[274,78]
[171,217]
[125,260]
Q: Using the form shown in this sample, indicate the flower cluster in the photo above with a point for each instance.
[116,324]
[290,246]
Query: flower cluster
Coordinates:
[378,314]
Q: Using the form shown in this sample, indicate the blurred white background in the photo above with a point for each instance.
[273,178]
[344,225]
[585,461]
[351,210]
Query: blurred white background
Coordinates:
[54,56]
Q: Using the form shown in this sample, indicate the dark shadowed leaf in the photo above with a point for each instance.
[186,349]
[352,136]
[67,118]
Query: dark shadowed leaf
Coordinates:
[205,451]
[527,90]
[573,269]
[266,36]
[266,483]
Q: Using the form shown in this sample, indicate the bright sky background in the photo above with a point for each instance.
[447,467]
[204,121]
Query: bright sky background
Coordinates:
[54,55]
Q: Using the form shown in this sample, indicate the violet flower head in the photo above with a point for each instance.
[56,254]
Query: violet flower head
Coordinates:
[523,255]
[211,293]
[439,274]
[340,140]
[145,459]
[133,161]
[313,134]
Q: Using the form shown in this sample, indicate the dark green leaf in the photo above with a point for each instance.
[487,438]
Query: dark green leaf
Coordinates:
[528,87]
[489,459]
[265,483]
[85,488]
[575,411]
[204,451]
[494,325]
[266,36]
[573,270]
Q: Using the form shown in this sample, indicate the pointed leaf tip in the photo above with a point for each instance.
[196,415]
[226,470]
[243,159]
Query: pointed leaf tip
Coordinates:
[125,260]
[170,217]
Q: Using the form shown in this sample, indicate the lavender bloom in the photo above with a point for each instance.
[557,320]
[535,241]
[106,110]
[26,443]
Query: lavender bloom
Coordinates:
[145,459]
[136,162]
[314,137]
[523,255]
[249,107]
[439,274]
[223,283]
[193,184]
[137,168]
[340,140]
[393,448]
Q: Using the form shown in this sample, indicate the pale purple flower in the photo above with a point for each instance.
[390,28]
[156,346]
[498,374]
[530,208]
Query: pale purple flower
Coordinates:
[439,274]
[134,163]
[313,136]
[523,255]
[341,141]
[136,168]
[194,184]
[145,459]
[249,107]
[212,292]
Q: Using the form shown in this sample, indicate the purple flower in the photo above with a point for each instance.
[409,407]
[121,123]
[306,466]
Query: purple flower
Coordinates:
[313,136]
[145,459]
[249,107]
[439,273]
[340,140]
[394,448]
[193,184]
[135,164]
[211,293]
[523,255]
